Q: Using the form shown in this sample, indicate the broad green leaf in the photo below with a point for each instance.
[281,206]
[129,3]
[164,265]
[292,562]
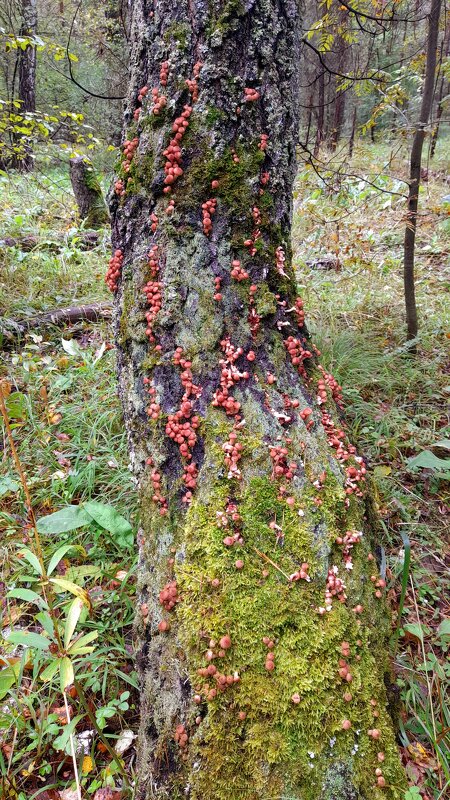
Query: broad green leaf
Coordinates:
[65,672]
[48,673]
[32,559]
[73,615]
[8,677]
[16,403]
[46,622]
[68,586]
[416,630]
[29,639]
[427,460]
[78,572]
[79,645]
[60,553]
[66,519]
[444,628]
[7,485]
[445,443]
[108,518]
[28,595]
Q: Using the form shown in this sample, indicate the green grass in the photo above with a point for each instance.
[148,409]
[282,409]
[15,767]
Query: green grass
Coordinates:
[69,433]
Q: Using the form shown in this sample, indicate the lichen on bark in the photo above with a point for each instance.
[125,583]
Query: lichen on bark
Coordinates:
[253,502]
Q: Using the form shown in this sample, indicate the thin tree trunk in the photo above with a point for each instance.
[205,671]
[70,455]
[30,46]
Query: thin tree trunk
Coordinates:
[415,169]
[309,121]
[351,143]
[339,109]
[27,78]
[443,84]
[262,654]
[320,113]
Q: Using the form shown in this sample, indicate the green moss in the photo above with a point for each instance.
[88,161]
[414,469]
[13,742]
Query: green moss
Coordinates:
[265,301]
[178,32]
[214,116]
[238,181]
[226,19]
[142,169]
[281,750]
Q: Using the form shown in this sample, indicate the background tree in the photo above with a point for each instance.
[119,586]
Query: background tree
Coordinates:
[415,168]
[27,71]
[262,622]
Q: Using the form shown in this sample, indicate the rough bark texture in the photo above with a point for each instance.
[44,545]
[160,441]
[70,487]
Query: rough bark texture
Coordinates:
[27,75]
[415,170]
[88,193]
[248,683]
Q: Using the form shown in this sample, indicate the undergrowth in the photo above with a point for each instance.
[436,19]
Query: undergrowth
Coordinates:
[67,428]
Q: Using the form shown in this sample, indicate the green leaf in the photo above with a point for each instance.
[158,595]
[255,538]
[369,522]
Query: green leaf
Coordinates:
[7,485]
[444,628]
[79,645]
[28,595]
[445,443]
[48,673]
[416,630]
[66,673]
[66,519]
[8,677]
[60,553]
[46,621]
[32,559]
[427,460]
[62,742]
[68,586]
[79,572]
[16,403]
[108,518]
[73,615]
[29,639]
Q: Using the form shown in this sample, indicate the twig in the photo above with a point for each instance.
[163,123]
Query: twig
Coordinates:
[72,748]
[269,560]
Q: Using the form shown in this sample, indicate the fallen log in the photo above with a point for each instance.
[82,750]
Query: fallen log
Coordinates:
[86,240]
[11,329]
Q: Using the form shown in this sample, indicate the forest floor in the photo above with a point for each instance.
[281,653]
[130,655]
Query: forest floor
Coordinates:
[66,424]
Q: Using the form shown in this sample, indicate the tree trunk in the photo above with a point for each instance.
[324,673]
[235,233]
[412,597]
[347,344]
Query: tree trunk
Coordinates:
[351,142]
[441,94]
[27,78]
[88,193]
[339,109]
[415,169]
[262,655]
[320,114]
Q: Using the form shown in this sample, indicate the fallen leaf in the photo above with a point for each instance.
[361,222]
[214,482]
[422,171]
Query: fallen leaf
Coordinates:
[124,741]
[107,794]
[69,794]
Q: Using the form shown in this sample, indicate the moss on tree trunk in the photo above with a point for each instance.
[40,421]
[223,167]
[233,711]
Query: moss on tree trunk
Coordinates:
[88,193]
[262,623]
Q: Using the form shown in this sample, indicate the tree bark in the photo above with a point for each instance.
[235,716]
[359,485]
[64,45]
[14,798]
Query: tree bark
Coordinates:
[415,171]
[351,142]
[320,113]
[88,193]
[262,675]
[27,78]
[441,98]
